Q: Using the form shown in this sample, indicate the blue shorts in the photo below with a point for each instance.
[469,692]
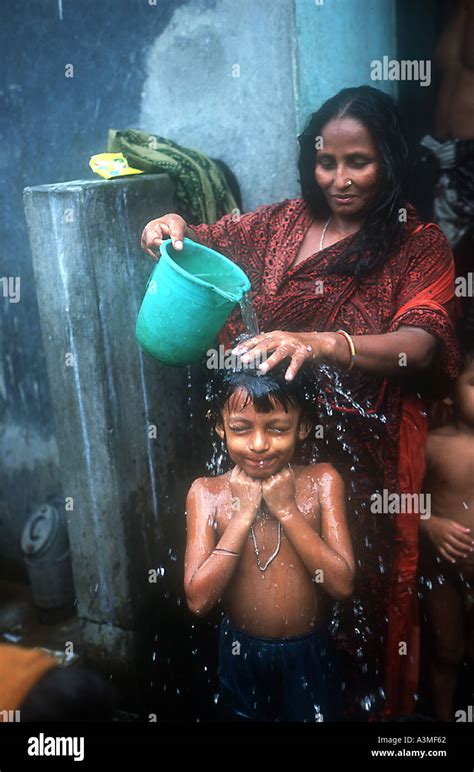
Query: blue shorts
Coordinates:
[278,679]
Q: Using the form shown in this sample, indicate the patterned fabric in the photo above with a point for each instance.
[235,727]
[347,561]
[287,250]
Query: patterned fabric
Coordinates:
[362,413]
[201,188]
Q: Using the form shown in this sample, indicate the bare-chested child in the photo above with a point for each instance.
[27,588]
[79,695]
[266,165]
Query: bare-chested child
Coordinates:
[269,539]
[448,569]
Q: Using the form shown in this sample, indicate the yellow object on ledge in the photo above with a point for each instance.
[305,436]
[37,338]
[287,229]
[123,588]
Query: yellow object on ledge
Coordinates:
[110,165]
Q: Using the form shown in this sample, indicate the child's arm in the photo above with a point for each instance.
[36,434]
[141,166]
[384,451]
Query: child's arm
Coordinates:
[451,539]
[208,573]
[331,552]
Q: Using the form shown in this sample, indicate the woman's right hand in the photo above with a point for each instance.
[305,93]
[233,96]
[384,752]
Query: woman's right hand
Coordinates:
[246,494]
[169,226]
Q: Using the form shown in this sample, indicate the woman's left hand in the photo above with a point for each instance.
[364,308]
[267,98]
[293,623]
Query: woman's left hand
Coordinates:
[299,346]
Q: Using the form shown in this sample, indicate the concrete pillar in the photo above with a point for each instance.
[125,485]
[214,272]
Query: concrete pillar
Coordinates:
[120,416]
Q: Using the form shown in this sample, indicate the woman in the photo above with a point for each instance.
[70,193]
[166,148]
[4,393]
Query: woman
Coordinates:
[347,277]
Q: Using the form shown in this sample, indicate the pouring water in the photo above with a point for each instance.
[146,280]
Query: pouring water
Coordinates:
[249,315]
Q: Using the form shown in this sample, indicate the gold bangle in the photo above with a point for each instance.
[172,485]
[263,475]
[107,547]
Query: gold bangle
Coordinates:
[351,347]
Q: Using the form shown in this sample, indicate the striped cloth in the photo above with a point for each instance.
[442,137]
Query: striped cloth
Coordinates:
[201,188]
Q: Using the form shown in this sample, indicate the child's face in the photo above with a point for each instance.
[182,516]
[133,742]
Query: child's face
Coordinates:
[463,395]
[260,443]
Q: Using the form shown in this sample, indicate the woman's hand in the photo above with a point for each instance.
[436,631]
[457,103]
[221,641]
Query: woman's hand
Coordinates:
[451,539]
[246,494]
[299,346]
[169,226]
[406,351]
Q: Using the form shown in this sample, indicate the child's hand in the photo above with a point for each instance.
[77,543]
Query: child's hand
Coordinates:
[279,492]
[451,539]
[246,494]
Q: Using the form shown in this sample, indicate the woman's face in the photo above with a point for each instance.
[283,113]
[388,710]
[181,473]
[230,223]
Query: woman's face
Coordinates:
[347,153]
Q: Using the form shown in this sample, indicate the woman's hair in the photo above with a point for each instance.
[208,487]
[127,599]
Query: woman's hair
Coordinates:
[382,230]
[264,390]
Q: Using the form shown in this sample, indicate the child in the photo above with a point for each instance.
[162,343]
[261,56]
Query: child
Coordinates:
[449,571]
[269,539]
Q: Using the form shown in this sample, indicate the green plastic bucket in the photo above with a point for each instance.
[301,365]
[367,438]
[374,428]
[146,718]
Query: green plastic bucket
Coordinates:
[189,295]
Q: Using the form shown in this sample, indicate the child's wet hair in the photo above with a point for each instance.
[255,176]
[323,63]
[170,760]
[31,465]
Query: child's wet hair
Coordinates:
[264,390]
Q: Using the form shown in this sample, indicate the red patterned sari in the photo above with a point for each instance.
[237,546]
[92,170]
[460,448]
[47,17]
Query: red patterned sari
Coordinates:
[374,427]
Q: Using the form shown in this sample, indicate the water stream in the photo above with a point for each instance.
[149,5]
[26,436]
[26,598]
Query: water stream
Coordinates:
[249,315]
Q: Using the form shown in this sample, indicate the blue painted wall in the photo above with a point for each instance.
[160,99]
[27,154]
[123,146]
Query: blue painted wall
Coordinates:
[336,40]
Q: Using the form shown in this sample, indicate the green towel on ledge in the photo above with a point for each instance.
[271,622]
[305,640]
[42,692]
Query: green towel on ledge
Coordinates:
[201,187]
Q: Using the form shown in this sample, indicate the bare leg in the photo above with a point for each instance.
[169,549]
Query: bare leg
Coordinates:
[445,608]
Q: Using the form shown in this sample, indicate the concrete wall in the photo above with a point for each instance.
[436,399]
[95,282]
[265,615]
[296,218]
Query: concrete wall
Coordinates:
[50,126]
[222,78]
